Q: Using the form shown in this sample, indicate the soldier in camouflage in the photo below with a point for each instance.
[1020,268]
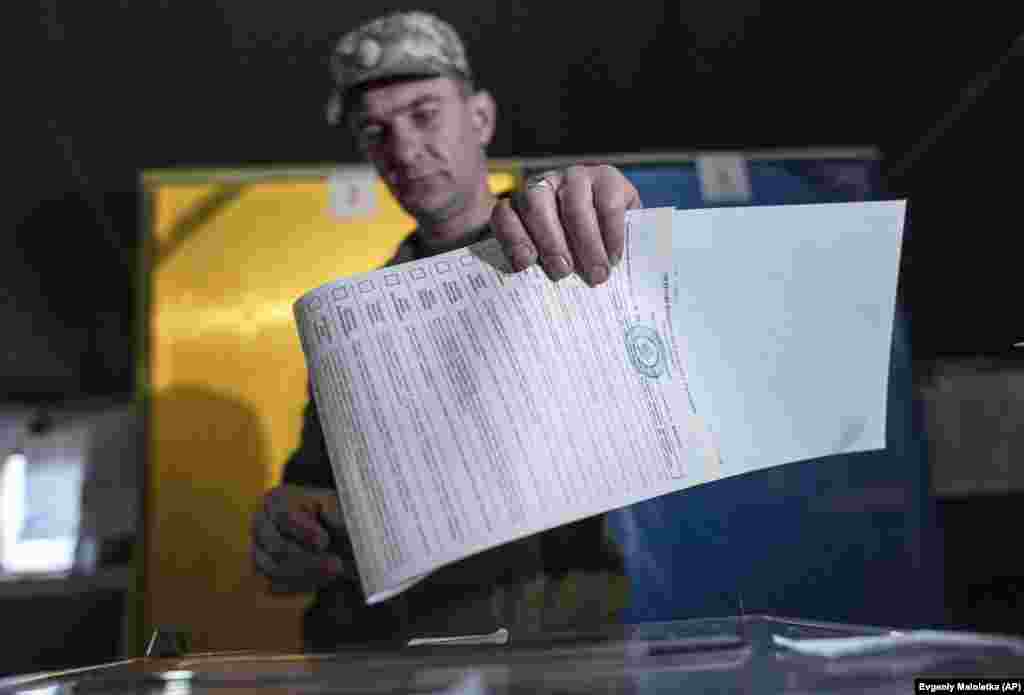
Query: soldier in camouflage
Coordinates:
[403,89]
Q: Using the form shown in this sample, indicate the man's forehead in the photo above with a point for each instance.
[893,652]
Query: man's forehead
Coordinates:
[382,99]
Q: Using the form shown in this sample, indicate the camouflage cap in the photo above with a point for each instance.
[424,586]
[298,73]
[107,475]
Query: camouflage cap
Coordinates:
[396,45]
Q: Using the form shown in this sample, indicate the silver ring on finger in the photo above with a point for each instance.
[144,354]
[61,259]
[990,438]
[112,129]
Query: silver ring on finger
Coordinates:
[538,181]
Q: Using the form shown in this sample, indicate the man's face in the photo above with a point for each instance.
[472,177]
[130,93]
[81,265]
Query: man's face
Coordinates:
[424,139]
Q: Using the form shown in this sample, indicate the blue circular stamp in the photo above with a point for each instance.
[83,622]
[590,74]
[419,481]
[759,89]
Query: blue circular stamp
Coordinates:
[646,350]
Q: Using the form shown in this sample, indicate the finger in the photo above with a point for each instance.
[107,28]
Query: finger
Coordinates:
[298,570]
[332,521]
[264,562]
[509,230]
[576,205]
[304,526]
[290,583]
[296,516]
[295,585]
[279,588]
[310,572]
[267,566]
[537,207]
[613,195]
[268,537]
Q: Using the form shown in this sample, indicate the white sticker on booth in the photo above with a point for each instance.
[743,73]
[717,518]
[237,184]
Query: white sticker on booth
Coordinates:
[352,192]
[724,178]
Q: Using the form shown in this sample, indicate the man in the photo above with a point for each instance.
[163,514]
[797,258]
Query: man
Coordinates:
[405,92]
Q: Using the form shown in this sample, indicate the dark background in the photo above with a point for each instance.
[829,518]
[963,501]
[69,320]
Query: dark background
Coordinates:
[103,90]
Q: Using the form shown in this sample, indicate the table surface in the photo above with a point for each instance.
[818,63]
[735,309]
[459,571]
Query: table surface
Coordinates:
[718,655]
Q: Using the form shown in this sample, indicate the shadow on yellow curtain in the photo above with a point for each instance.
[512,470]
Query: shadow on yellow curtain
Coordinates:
[226,381]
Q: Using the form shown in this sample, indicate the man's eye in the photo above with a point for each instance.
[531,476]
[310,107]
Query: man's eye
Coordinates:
[425,117]
[371,133]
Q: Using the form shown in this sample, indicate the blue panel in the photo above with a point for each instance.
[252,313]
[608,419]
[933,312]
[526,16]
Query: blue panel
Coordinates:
[783,182]
[846,538]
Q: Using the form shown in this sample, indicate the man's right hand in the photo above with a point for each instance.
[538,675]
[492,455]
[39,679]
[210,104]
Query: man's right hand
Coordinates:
[291,539]
[569,221]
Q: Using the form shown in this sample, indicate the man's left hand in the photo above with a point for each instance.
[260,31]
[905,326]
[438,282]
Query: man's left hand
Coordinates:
[569,220]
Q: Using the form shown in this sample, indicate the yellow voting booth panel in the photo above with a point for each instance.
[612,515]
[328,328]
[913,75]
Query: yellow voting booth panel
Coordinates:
[224,378]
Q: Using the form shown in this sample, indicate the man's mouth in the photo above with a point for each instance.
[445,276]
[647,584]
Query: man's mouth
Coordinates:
[411,180]
[413,184]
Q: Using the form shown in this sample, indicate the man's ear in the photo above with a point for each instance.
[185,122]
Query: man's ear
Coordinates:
[483,111]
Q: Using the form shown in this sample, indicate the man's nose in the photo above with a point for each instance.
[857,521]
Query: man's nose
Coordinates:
[406,147]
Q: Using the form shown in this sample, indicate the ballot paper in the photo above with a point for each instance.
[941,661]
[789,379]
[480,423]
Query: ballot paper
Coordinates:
[787,314]
[465,406]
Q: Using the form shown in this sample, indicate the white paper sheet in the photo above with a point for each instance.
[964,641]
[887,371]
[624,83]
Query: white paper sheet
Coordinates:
[787,313]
